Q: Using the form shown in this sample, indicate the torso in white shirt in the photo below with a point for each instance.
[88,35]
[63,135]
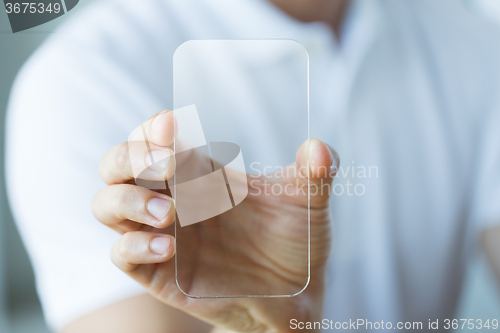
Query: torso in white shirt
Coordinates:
[412,92]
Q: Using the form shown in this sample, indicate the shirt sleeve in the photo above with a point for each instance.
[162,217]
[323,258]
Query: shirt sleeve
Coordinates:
[74,100]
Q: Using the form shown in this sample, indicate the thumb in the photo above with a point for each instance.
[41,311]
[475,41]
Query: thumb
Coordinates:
[317,164]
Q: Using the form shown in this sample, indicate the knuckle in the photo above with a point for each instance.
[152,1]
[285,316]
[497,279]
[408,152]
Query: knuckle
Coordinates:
[122,157]
[125,245]
[121,199]
[114,254]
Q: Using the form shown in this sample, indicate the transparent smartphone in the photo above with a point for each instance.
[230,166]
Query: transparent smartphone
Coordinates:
[241,112]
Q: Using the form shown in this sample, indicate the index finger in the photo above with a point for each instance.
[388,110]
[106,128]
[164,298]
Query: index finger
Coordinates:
[159,129]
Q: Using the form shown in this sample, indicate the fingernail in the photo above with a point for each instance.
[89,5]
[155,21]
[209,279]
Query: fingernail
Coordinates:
[159,208]
[159,245]
[158,160]
[333,170]
[313,145]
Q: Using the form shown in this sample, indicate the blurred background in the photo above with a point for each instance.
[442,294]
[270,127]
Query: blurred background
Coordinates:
[20,310]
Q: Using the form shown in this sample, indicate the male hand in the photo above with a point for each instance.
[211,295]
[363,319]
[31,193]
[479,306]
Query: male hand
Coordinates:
[275,252]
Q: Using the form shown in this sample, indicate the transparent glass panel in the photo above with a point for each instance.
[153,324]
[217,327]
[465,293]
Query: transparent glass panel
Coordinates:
[241,112]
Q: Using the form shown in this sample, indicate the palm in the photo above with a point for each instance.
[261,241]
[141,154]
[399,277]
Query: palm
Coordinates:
[258,248]
[263,246]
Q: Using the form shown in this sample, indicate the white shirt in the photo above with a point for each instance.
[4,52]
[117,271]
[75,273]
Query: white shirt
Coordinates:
[413,90]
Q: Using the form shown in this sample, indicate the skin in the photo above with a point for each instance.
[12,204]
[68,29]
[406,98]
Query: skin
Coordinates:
[123,207]
[263,245]
[331,12]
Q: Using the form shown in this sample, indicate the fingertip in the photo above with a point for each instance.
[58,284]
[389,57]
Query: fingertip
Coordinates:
[162,210]
[140,247]
[162,128]
[316,156]
[162,246]
[160,164]
[319,154]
